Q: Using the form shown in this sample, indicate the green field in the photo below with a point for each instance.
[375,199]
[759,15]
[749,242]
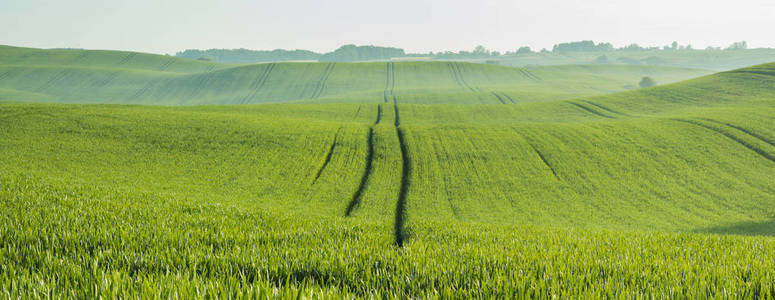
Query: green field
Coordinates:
[382,180]
[719,60]
[79,76]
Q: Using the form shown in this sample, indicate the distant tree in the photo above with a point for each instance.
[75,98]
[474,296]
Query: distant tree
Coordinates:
[742,45]
[204,59]
[601,59]
[633,47]
[583,46]
[481,51]
[360,53]
[604,47]
[647,82]
[674,45]
[495,53]
[524,50]
[248,56]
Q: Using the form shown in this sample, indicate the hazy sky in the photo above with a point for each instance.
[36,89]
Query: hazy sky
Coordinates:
[416,25]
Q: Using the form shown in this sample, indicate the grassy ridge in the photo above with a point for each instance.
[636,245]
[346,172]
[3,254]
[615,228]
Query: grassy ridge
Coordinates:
[81,76]
[609,196]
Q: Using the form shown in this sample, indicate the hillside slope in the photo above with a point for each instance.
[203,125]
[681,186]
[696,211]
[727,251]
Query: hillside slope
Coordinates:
[87,76]
[620,195]
[620,161]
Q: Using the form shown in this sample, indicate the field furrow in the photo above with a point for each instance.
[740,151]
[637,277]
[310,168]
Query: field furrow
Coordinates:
[392,78]
[327,159]
[5,74]
[546,162]
[509,97]
[529,74]
[742,142]
[400,220]
[498,97]
[379,114]
[387,82]
[606,108]
[321,86]
[590,110]
[166,65]
[256,84]
[743,130]
[124,60]
[356,198]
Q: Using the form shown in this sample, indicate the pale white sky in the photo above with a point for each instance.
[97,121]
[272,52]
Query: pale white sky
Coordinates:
[160,26]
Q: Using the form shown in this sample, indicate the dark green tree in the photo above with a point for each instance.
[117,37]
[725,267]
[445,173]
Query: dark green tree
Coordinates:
[647,82]
[524,50]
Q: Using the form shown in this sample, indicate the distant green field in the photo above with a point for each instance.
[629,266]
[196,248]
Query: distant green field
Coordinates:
[700,59]
[81,76]
[660,192]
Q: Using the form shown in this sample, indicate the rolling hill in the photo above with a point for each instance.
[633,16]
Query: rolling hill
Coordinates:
[88,76]
[658,192]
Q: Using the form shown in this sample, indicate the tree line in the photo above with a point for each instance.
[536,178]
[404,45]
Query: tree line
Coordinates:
[350,53]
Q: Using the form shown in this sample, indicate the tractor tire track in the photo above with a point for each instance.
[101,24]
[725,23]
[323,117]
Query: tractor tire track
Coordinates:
[746,131]
[4,74]
[543,159]
[395,108]
[355,117]
[321,85]
[50,82]
[400,220]
[453,71]
[379,114]
[387,82]
[499,97]
[529,74]
[258,83]
[201,84]
[509,97]
[400,215]
[460,75]
[356,199]
[392,78]
[106,80]
[606,108]
[126,59]
[732,137]
[167,64]
[589,110]
[328,157]
[142,91]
